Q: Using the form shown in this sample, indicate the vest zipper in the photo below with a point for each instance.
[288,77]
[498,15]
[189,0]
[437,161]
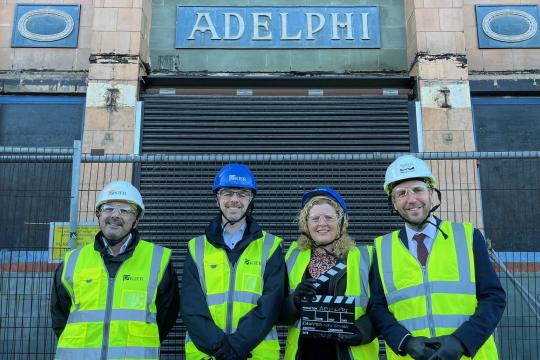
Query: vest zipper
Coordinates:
[230,300]
[108,310]
[429,306]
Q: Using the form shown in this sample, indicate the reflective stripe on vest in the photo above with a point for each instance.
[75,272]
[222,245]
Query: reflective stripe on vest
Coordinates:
[199,253]
[116,314]
[239,296]
[238,300]
[365,260]
[135,352]
[272,335]
[443,293]
[358,265]
[290,260]
[135,329]
[69,270]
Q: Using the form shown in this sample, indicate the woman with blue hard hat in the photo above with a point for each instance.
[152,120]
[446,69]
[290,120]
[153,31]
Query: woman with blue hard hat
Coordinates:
[325,260]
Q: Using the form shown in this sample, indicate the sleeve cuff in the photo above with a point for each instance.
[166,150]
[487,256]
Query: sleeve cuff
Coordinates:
[401,345]
[468,350]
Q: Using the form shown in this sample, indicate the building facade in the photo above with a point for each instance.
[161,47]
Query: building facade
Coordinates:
[111,79]
[251,78]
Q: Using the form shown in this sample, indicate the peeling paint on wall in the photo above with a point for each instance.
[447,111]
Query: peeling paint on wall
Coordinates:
[460,59]
[112,58]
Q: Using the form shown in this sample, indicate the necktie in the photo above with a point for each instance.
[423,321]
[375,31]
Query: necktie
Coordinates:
[421,249]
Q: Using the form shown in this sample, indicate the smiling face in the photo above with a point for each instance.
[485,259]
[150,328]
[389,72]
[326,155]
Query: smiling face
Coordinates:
[323,224]
[116,219]
[413,200]
[233,203]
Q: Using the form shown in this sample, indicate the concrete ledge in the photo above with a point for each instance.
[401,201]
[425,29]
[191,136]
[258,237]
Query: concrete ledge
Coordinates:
[58,82]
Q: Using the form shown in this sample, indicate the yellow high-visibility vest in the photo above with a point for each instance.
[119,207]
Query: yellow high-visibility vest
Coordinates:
[358,264]
[112,318]
[231,292]
[437,299]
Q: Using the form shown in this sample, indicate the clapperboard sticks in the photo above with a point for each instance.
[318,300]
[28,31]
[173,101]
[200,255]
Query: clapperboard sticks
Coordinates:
[327,299]
[330,273]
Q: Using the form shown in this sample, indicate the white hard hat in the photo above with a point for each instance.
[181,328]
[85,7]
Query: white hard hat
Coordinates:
[121,191]
[407,167]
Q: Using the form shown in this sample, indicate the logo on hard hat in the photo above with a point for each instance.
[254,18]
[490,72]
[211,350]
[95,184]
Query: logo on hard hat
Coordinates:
[233,177]
[406,168]
[116,192]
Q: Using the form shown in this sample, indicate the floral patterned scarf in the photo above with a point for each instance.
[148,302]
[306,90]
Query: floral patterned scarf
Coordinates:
[320,262]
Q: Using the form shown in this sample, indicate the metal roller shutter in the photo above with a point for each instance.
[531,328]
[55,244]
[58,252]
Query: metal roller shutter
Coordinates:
[178,196]
[256,124]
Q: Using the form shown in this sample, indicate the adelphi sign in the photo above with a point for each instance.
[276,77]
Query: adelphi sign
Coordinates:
[277,27]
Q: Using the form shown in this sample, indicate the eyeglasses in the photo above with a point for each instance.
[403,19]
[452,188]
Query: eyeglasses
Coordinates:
[401,193]
[328,219]
[241,194]
[124,210]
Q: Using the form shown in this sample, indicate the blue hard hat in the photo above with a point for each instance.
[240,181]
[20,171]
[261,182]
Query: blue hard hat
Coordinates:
[328,192]
[235,176]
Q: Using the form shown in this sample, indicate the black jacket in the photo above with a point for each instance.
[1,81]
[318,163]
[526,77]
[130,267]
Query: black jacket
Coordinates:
[167,297]
[472,333]
[337,285]
[258,322]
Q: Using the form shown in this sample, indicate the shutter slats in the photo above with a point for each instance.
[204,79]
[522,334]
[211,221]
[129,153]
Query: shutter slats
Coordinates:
[178,197]
[264,124]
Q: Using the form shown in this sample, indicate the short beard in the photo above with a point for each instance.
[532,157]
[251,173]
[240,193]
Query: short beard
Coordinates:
[114,242]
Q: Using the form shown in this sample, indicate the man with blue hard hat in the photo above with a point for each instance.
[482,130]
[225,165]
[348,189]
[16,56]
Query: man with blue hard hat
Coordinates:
[234,278]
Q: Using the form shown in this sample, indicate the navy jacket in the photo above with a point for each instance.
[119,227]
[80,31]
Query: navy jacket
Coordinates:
[472,333]
[256,324]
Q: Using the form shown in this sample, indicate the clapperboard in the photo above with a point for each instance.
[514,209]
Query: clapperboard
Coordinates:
[327,316]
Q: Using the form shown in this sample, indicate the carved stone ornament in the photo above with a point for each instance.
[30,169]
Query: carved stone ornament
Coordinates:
[22,25]
[510,13]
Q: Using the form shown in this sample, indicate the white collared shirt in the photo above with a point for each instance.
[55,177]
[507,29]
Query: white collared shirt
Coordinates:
[232,239]
[122,248]
[430,231]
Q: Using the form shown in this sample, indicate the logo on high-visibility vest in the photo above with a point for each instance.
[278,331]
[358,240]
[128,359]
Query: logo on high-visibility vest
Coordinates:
[252,262]
[133,278]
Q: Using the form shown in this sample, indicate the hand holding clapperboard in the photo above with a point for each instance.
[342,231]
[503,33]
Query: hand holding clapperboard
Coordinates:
[327,316]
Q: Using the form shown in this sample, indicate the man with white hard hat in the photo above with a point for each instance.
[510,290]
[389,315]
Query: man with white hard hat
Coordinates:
[117,297]
[434,292]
